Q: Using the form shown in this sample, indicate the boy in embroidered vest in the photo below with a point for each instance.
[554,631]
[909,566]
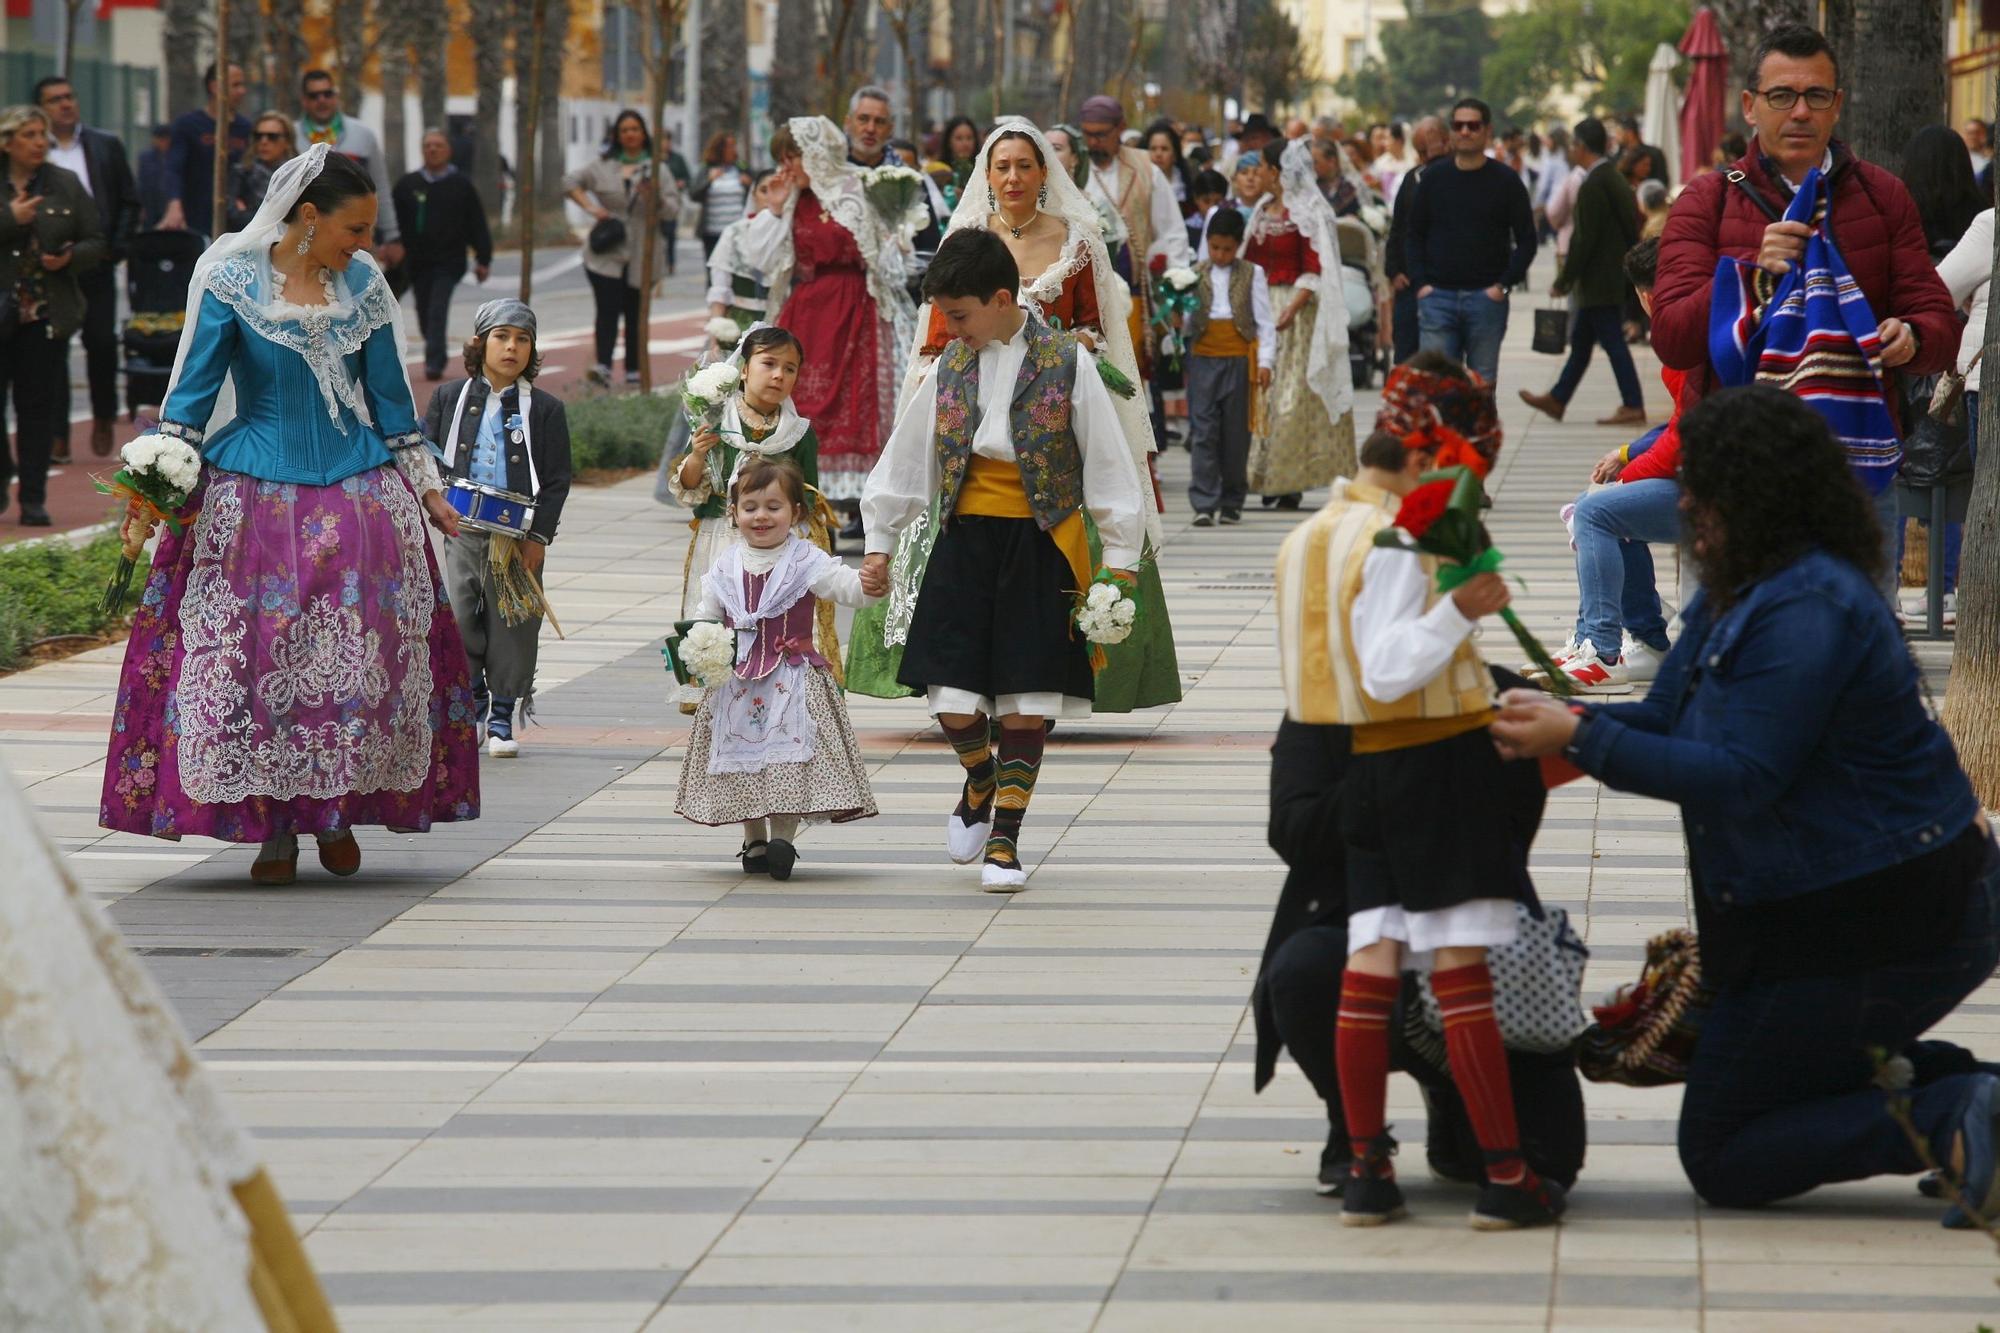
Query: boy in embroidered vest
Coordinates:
[1232,345]
[1013,433]
[494,430]
[1433,866]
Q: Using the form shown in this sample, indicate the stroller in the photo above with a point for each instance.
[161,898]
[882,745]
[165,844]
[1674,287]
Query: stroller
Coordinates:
[1359,267]
[157,273]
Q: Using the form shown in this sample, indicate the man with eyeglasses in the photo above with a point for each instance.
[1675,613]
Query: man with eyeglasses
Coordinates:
[191,154]
[1471,237]
[322,121]
[98,160]
[1792,106]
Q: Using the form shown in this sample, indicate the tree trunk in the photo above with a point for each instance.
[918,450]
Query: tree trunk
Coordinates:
[430,33]
[1897,83]
[668,15]
[350,39]
[725,73]
[793,73]
[555,40]
[1743,22]
[489,65]
[285,44]
[185,26]
[999,71]
[528,76]
[393,63]
[1969,712]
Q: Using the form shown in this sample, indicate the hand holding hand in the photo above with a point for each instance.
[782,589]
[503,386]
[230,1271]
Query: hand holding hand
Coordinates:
[1784,245]
[1480,595]
[1899,343]
[443,517]
[875,574]
[1608,468]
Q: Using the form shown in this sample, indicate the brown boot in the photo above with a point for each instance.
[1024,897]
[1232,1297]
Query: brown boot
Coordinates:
[341,855]
[1625,416]
[277,862]
[100,438]
[1547,404]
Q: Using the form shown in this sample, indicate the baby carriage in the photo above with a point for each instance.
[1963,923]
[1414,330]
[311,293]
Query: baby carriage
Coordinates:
[157,273]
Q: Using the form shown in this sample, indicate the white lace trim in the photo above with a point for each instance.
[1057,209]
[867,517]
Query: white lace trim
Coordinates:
[322,334]
[229,750]
[417,466]
[1048,287]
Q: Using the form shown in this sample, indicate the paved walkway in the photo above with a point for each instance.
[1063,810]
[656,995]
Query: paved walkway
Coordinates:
[566,1069]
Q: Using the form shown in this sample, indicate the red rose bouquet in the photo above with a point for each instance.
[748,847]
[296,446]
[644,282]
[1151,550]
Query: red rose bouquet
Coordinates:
[1441,518]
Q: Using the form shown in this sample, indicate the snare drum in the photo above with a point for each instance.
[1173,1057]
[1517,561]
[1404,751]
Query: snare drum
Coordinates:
[490,509]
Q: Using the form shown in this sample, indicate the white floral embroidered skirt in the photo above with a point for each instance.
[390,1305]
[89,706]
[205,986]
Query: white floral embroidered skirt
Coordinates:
[832,786]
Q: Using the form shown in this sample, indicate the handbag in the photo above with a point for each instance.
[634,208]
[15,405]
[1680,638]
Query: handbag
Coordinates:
[1537,979]
[1551,330]
[607,236]
[1936,450]
[1645,1033]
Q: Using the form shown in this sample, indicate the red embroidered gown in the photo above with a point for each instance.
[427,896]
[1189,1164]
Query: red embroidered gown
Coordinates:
[847,386]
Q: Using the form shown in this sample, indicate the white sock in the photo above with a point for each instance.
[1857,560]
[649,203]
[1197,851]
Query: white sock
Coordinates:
[756,830]
[784,826]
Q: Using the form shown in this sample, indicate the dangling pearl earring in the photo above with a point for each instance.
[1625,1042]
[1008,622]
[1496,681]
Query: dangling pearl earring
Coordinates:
[305,242]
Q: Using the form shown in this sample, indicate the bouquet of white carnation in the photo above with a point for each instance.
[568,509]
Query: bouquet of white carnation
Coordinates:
[1181,279]
[708,649]
[724,331]
[1107,612]
[704,391]
[160,472]
[896,193]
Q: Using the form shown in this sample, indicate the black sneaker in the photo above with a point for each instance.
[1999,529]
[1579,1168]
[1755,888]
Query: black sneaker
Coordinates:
[1204,518]
[1336,1164]
[1372,1196]
[1232,516]
[781,856]
[1512,1207]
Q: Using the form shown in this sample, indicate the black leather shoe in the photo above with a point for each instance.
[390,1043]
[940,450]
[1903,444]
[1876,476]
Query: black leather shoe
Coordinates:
[34,516]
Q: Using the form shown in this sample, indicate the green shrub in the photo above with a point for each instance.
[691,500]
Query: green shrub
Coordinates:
[619,430]
[53,588]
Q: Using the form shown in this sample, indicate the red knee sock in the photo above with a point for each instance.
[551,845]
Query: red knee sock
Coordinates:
[1479,1068]
[1361,1053]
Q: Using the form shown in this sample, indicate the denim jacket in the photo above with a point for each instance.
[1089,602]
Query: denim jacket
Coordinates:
[1791,732]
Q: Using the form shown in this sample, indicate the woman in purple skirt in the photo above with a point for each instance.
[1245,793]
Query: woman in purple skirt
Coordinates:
[294,667]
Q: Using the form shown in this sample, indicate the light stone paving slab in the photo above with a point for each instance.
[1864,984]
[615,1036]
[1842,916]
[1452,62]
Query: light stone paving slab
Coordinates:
[566,1068]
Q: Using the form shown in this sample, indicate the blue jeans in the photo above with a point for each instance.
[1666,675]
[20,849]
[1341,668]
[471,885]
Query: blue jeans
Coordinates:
[1466,326]
[1598,325]
[1614,566]
[1780,1097]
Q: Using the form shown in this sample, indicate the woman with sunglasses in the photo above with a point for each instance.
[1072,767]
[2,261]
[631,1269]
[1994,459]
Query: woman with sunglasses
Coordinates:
[272,144]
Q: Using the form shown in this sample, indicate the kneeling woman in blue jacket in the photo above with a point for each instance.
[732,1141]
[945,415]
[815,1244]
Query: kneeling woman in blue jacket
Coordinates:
[1847,890]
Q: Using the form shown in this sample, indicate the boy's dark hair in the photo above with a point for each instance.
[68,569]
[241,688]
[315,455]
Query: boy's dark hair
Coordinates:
[1227,223]
[1642,263]
[1795,40]
[769,336]
[972,262]
[1210,181]
[758,473]
[1383,451]
[475,351]
[1590,133]
[340,179]
[1474,104]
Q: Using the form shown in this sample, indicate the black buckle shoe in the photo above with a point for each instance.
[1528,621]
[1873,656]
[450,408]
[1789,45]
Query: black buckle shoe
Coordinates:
[755,857]
[781,856]
[1372,1196]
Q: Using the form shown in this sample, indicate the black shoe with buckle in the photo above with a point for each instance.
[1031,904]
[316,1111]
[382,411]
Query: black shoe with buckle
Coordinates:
[755,857]
[1372,1196]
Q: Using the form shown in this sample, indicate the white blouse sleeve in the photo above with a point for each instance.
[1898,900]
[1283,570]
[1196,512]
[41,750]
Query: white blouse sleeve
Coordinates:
[1110,478]
[836,581]
[763,238]
[1399,644]
[905,476]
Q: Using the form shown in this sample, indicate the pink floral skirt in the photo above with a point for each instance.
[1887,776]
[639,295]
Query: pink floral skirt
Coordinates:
[293,668]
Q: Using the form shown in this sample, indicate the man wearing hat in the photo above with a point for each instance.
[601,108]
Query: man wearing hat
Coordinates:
[495,433]
[1434,867]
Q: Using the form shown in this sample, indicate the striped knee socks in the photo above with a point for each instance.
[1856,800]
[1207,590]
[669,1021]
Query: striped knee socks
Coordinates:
[1361,1054]
[1020,761]
[1479,1068]
[974,747]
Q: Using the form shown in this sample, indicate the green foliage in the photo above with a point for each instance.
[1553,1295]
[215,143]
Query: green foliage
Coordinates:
[53,588]
[1427,63]
[619,430]
[1276,65]
[1605,45]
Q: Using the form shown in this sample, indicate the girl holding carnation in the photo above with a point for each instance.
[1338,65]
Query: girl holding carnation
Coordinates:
[757,421]
[771,746]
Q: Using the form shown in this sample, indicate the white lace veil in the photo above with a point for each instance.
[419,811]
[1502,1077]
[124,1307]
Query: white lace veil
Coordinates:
[287,184]
[1084,245]
[1327,369]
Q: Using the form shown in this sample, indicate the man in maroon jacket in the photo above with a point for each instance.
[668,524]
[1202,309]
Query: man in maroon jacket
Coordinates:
[1871,217]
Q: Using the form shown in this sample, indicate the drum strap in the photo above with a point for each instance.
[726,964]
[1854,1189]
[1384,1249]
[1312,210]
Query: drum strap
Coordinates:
[451,440]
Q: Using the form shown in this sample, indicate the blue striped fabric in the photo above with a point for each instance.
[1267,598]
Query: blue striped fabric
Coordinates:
[1812,335]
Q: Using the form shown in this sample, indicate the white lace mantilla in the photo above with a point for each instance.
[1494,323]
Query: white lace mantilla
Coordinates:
[322,334]
[229,748]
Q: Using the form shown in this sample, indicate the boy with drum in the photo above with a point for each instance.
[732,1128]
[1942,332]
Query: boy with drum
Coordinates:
[505,451]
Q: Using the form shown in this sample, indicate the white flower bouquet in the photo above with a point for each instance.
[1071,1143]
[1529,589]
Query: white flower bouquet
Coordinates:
[1181,279]
[700,652]
[896,193]
[1107,613]
[723,331]
[160,472]
[704,391]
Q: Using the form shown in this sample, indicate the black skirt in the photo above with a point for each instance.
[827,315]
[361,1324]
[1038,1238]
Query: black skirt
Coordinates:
[993,614]
[1434,826]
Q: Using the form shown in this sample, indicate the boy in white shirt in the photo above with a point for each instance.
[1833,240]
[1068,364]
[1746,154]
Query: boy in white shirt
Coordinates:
[1232,345]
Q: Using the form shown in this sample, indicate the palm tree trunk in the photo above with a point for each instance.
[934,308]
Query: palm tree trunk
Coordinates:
[1897,83]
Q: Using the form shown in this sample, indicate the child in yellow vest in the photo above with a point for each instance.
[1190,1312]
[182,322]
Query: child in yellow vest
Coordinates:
[1434,866]
[1232,345]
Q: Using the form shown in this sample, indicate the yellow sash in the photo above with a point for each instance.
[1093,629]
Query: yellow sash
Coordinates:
[1408,733]
[1221,339]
